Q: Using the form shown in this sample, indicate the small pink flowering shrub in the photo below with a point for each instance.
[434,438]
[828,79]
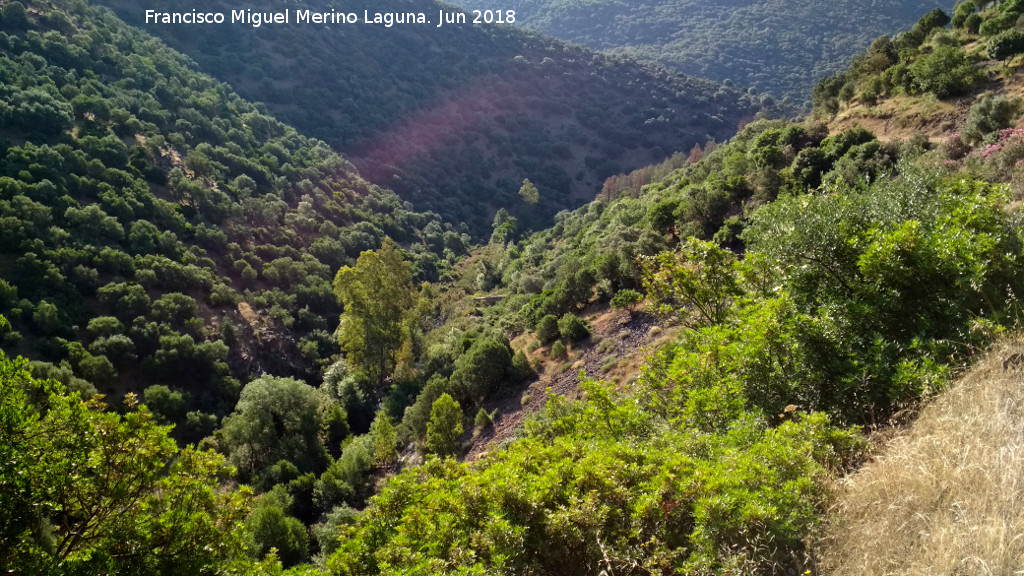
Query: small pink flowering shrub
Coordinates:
[1006,154]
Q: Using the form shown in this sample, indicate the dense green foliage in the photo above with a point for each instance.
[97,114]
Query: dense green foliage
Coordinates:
[777,47]
[602,486]
[930,59]
[845,308]
[455,118]
[600,250]
[86,491]
[275,419]
[165,237]
[376,294]
[159,230]
[445,427]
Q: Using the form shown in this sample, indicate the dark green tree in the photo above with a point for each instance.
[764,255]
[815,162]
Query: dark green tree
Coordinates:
[275,419]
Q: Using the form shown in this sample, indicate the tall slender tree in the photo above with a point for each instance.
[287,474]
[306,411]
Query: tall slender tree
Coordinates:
[375,295]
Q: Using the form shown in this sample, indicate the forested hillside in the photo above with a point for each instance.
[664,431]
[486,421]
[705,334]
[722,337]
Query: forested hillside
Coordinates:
[778,47]
[455,118]
[328,356]
[158,230]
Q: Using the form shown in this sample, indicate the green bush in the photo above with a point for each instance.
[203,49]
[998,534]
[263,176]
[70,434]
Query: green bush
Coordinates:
[547,329]
[558,350]
[480,371]
[945,72]
[937,18]
[445,427]
[973,23]
[987,116]
[573,328]
[1006,44]
[963,11]
[348,479]
[104,326]
[272,528]
[997,24]
[168,405]
[275,419]
[521,369]
[562,491]
[97,369]
[626,299]
[482,420]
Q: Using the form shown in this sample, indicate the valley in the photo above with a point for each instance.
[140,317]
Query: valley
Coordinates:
[381,300]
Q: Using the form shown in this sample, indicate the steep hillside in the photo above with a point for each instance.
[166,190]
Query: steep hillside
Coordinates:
[455,118]
[779,47]
[960,86]
[158,229]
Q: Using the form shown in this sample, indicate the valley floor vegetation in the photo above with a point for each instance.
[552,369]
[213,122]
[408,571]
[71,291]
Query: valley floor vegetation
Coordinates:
[246,359]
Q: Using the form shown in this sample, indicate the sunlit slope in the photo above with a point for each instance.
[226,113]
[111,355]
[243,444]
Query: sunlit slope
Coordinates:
[943,498]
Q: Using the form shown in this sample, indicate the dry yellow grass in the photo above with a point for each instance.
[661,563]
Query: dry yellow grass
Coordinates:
[946,497]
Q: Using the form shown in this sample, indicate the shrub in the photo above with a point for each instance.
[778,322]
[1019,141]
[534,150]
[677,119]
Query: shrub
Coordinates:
[563,486]
[993,26]
[481,370]
[930,21]
[347,480]
[573,328]
[989,115]
[547,329]
[627,299]
[482,420]
[521,369]
[955,147]
[558,350]
[97,369]
[275,419]
[945,72]
[168,405]
[104,326]
[445,427]
[8,335]
[962,12]
[973,23]
[271,528]
[1006,44]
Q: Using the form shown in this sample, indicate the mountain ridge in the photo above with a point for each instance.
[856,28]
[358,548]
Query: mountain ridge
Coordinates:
[779,47]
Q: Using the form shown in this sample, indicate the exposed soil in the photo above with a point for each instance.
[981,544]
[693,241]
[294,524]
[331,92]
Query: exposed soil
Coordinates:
[620,343]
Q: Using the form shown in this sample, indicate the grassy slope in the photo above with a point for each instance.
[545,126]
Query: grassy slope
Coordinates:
[943,498]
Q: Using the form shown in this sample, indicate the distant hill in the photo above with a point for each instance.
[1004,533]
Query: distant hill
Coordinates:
[454,118]
[779,47]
